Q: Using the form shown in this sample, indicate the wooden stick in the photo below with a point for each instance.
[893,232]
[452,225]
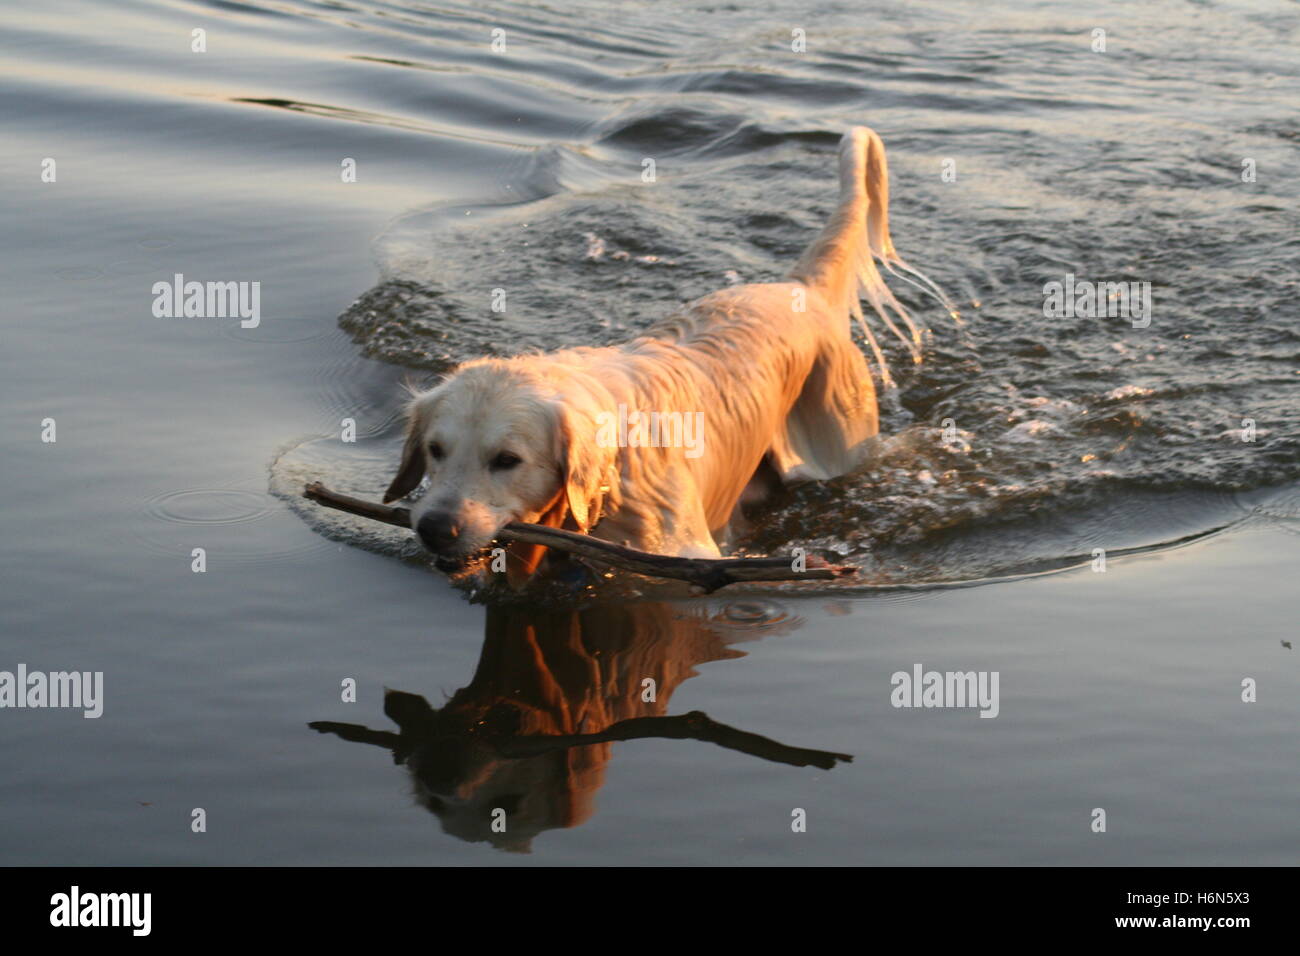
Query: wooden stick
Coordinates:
[707,574]
[696,725]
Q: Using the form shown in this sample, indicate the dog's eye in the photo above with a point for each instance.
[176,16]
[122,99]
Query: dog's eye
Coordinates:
[435,451]
[504,461]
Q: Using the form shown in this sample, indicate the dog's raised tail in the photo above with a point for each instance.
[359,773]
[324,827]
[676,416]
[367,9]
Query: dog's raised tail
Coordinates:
[841,262]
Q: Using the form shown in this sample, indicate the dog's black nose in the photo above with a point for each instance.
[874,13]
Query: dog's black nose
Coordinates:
[439,531]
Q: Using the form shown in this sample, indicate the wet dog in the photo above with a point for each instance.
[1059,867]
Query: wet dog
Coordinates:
[780,389]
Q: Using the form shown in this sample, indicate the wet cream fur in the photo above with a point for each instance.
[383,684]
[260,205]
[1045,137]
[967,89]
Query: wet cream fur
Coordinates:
[772,366]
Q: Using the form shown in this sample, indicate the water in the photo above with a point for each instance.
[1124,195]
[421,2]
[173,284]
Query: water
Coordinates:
[1020,446]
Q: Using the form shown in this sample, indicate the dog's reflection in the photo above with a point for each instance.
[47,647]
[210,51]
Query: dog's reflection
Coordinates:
[524,746]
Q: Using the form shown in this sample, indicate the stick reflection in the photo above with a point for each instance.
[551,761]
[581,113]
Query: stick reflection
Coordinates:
[531,734]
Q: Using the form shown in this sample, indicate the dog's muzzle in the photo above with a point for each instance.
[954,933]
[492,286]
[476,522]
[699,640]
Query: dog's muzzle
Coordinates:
[440,535]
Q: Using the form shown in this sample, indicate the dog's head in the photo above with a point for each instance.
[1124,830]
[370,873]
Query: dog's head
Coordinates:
[501,441]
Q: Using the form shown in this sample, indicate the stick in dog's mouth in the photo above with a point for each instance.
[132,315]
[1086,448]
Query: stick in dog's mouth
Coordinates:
[705,574]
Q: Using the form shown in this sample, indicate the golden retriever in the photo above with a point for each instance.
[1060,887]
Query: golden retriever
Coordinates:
[652,443]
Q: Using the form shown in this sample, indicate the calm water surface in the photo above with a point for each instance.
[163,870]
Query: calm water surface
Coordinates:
[521,169]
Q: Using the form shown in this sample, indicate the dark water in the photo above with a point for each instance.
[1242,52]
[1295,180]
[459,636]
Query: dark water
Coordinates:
[1019,446]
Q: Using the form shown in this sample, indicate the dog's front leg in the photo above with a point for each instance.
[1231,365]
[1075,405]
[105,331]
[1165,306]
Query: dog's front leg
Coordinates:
[684,526]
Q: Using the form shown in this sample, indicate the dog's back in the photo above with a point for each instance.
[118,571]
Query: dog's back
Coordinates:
[792,341]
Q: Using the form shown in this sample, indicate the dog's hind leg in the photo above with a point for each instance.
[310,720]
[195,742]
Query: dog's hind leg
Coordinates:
[830,430]
[831,427]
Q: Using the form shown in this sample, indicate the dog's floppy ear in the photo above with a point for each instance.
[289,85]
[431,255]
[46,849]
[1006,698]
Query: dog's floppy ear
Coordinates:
[411,471]
[588,471]
[587,467]
[522,559]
